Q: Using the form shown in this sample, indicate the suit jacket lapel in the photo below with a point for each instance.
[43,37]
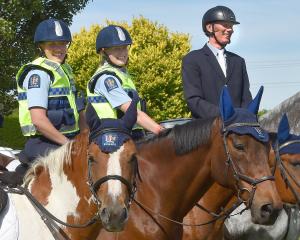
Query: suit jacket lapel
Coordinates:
[230,65]
[214,62]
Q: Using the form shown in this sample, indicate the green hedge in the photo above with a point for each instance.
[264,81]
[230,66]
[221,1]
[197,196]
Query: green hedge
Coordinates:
[10,134]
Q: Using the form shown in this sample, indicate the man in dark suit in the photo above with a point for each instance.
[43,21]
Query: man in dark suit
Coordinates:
[207,70]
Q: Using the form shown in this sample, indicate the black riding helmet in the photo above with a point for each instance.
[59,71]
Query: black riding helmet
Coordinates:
[215,14]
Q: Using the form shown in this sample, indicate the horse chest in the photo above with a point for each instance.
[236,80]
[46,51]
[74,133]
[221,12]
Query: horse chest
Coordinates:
[241,227]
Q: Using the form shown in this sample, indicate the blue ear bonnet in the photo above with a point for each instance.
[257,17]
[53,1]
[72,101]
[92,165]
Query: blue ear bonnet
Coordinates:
[287,143]
[242,115]
[246,117]
[110,135]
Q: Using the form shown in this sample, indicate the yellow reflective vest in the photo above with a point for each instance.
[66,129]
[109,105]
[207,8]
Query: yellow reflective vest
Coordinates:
[102,107]
[62,87]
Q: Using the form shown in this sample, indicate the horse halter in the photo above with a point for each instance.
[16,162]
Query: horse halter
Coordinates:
[284,171]
[131,186]
[237,175]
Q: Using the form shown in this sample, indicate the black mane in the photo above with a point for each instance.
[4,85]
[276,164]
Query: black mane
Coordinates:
[186,137]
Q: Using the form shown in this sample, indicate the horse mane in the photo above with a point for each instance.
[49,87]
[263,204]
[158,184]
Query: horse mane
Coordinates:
[189,136]
[291,107]
[54,161]
[186,137]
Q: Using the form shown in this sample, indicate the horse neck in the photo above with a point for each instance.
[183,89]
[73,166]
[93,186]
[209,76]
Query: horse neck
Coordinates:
[283,189]
[180,179]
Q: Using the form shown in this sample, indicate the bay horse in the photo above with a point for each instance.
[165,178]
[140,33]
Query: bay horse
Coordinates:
[287,179]
[178,167]
[90,178]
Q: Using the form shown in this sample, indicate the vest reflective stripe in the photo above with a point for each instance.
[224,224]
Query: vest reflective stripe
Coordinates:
[100,103]
[61,86]
[97,99]
[22,96]
[59,91]
[28,129]
[52,92]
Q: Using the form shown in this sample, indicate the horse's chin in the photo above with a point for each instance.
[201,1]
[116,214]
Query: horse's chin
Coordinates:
[264,216]
[112,228]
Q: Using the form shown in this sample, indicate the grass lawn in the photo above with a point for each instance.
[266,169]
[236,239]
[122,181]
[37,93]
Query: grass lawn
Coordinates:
[10,134]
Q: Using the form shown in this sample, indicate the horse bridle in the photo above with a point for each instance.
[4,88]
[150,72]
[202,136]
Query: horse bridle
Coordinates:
[94,186]
[239,176]
[284,171]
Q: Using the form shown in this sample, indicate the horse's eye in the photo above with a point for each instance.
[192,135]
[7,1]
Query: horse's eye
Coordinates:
[239,146]
[91,159]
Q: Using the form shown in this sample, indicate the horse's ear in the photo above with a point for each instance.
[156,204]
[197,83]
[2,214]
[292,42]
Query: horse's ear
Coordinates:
[254,104]
[226,107]
[283,129]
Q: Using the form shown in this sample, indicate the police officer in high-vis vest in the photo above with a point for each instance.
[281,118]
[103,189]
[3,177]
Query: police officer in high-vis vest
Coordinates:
[49,112]
[111,88]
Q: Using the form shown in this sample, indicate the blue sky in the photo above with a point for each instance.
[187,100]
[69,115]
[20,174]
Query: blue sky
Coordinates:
[268,36]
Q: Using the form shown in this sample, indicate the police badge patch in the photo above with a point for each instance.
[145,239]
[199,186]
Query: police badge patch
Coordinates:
[110,84]
[34,81]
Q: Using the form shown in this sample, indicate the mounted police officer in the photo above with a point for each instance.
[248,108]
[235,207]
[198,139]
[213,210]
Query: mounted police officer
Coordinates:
[207,70]
[111,88]
[49,111]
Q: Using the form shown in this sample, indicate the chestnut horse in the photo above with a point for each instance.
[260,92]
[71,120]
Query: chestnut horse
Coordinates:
[89,179]
[178,167]
[287,179]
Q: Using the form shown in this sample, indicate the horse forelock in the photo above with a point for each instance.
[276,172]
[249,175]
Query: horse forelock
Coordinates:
[53,161]
[191,135]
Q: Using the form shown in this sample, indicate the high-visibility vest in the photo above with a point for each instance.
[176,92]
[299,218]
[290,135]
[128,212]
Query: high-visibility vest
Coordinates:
[61,97]
[102,107]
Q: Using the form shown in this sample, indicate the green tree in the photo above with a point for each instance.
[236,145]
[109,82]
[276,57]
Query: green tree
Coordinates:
[18,20]
[155,64]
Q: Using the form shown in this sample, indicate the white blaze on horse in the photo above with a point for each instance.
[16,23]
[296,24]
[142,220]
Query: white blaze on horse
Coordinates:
[84,185]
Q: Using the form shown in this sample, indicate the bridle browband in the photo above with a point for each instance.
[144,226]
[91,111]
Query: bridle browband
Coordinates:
[284,171]
[239,176]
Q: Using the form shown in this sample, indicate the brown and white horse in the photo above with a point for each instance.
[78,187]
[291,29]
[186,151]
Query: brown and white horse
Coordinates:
[178,167]
[66,183]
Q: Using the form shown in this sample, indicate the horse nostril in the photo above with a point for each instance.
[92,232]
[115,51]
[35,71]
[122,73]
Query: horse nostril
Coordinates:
[124,215]
[266,210]
[104,215]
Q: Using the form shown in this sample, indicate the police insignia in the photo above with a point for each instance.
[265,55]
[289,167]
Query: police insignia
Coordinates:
[110,84]
[34,81]
[110,139]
